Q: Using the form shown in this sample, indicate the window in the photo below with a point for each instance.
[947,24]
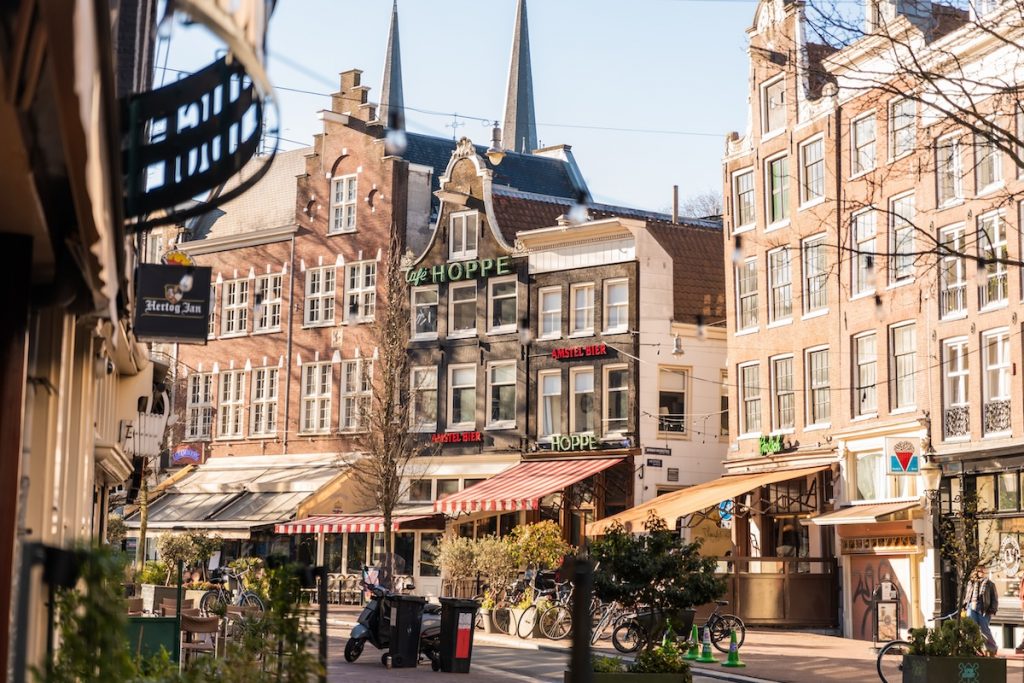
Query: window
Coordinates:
[993,254]
[812,171]
[424,313]
[582,313]
[550,383]
[901,128]
[320,296]
[996,382]
[773,106]
[462,303]
[463,229]
[362,291]
[501,390]
[948,171]
[780,302]
[783,396]
[616,399]
[236,307]
[746,294]
[420,489]
[211,326]
[865,375]
[723,405]
[871,476]
[743,198]
[316,398]
[264,402]
[952,271]
[356,392]
[550,312]
[343,204]
[502,304]
[446,487]
[672,400]
[750,399]
[901,238]
[988,163]
[616,306]
[461,397]
[268,298]
[582,407]
[815,275]
[200,405]
[424,399]
[864,261]
[819,402]
[862,154]
[232,403]
[777,179]
[956,409]
[903,352]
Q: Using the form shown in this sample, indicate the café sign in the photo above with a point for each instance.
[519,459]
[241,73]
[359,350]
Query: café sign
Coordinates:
[172,303]
[580,351]
[574,442]
[459,270]
[456,437]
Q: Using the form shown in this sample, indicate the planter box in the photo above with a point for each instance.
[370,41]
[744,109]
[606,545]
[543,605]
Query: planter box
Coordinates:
[921,669]
[153,594]
[194,595]
[516,616]
[636,678]
[487,621]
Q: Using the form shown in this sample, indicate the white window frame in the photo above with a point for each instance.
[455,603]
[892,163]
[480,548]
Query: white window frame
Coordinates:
[780,285]
[606,402]
[268,289]
[779,391]
[422,379]
[747,295]
[199,406]
[865,238]
[415,307]
[987,155]
[546,315]
[861,160]
[677,423]
[812,171]
[507,327]
[573,373]
[234,308]
[459,224]
[865,370]
[749,399]
[766,107]
[770,191]
[992,246]
[355,393]
[263,409]
[452,303]
[508,423]
[361,296]
[898,146]
[955,379]
[211,324]
[949,170]
[622,309]
[320,288]
[544,435]
[953,292]
[814,387]
[344,199]
[316,398]
[907,391]
[901,261]
[744,198]
[587,330]
[723,405]
[815,275]
[465,425]
[231,404]
[1002,366]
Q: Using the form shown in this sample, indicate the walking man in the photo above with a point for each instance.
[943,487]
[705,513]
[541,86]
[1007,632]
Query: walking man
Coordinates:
[1020,594]
[982,603]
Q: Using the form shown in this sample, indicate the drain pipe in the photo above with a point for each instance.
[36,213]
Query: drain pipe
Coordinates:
[288,344]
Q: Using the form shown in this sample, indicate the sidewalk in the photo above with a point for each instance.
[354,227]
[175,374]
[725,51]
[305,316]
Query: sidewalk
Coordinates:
[770,655]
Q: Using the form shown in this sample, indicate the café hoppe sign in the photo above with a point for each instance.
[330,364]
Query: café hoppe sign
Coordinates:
[172,303]
[456,271]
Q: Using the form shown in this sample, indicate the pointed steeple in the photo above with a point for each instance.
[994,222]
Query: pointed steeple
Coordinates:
[519,132]
[392,104]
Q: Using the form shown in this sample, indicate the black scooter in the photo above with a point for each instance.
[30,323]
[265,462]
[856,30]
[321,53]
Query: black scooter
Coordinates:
[374,626]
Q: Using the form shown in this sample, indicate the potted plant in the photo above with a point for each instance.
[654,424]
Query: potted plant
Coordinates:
[950,652]
[662,663]
[495,564]
[457,558]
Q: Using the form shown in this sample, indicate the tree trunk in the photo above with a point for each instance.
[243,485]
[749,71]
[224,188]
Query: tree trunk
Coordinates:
[140,549]
[388,564]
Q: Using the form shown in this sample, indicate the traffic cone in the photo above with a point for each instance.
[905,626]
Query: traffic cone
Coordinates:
[694,651]
[733,659]
[705,652]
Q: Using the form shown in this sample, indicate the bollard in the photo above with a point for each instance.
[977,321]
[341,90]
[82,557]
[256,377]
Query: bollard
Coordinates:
[734,652]
[705,653]
[694,652]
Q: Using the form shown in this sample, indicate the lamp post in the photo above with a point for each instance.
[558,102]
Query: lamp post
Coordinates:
[931,473]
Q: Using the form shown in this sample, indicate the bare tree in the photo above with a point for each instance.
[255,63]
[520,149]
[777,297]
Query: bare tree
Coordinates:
[386,441]
[704,204]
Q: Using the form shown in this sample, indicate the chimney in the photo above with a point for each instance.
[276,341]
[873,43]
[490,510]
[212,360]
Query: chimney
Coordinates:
[351,97]
[675,203]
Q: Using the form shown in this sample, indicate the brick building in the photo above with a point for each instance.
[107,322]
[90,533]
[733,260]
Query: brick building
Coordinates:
[863,356]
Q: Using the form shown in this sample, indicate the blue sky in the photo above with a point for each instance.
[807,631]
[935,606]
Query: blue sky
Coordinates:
[656,65]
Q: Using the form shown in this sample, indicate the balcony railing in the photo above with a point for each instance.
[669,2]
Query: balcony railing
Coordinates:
[995,291]
[956,422]
[953,299]
[997,417]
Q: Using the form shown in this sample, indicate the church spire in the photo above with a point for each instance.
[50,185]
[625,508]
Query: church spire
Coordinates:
[392,105]
[519,132]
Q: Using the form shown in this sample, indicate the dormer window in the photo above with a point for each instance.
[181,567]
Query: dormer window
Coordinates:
[463,231]
[773,106]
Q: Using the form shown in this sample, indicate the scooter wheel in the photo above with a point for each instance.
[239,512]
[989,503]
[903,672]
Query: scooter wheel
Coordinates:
[353,648]
[435,665]
[385,659]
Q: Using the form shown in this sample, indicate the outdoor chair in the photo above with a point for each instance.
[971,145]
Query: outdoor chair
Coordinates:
[350,591]
[333,588]
[169,606]
[134,607]
[199,635]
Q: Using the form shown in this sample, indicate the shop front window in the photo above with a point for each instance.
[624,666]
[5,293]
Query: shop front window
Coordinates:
[428,555]
[405,548]
[333,546]
[355,556]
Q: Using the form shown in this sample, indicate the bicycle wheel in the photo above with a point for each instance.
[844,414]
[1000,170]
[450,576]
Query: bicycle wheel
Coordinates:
[527,621]
[253,600]
[890,661]
[213,602]
[628,637]
[597,631]
[721,632]
[556,623]
[502,617]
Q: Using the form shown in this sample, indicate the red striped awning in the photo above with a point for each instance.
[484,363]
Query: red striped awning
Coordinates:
[522,486]
[339,524]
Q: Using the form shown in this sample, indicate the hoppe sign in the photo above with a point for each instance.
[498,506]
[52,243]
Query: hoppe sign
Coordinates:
[172,303]
[459,270]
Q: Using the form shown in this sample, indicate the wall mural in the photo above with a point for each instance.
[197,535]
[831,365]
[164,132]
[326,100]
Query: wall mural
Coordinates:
[866,575]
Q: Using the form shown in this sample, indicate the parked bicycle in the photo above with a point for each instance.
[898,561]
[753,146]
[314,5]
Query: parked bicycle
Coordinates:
[890,656]
[217,599]
[647,626]
[608,616]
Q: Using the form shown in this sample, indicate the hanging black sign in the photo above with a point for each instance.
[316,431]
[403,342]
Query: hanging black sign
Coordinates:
[172,303]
